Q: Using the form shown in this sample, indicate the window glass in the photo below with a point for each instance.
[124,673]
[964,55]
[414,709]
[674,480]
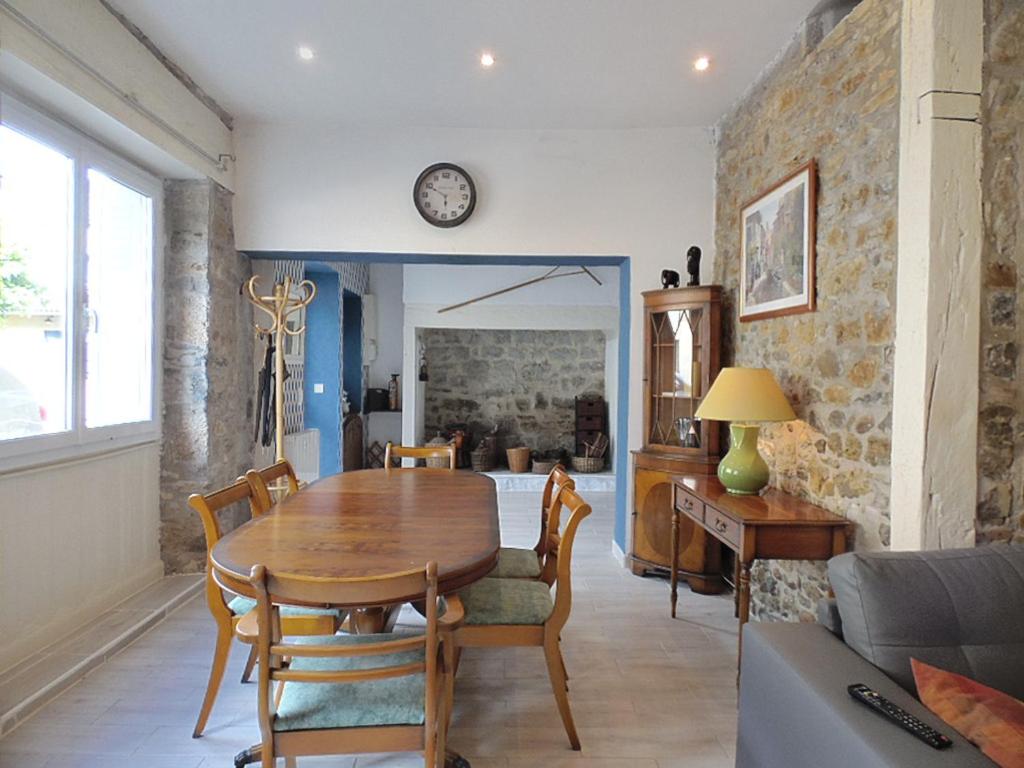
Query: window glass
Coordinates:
[36,246]
[119,303]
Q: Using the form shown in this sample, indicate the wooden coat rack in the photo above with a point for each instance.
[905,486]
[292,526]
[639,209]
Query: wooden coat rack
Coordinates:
[279,306]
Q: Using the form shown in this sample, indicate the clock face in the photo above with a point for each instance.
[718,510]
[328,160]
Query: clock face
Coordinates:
[444,195]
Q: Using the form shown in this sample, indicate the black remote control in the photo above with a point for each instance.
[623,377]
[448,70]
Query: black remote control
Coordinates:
[901,717]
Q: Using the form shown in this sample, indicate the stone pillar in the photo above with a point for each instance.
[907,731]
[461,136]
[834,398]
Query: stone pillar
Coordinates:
[207,365]
[934,452]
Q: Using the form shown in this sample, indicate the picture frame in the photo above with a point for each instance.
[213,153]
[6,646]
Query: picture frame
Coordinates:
[777,248]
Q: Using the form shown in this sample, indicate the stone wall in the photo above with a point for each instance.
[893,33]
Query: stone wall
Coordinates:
[207,364]
[523,381]
[834,99]
[1001,428]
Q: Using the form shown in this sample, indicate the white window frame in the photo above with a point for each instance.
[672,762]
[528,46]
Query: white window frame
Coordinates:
[78,440]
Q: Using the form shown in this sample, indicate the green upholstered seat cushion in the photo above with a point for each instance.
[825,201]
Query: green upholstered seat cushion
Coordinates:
[242,605]
[516,564]
[392,701]
[507,601]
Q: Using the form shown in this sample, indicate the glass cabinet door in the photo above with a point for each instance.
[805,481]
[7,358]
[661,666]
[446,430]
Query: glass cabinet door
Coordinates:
[676,380]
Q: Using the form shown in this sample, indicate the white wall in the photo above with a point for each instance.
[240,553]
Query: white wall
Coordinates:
[448,284]
[74,540]
[386,281]
[645,194]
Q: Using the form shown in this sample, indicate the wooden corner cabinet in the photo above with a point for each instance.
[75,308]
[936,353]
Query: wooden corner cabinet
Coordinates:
[682,356]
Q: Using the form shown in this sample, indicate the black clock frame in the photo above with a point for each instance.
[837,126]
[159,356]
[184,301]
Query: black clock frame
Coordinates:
[434,169]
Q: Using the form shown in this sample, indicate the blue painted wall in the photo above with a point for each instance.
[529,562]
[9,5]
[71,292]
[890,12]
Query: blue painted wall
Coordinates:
[323,366]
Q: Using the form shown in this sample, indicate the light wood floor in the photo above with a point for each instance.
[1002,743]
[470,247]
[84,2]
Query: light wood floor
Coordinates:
[646,691]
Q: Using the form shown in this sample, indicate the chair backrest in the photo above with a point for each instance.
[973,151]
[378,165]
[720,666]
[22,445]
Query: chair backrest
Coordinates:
[209,506]
[260,481]
[419,452]
[274,653]
[557,477]
[560,548]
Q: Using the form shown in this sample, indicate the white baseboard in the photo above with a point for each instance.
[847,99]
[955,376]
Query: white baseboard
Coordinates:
[619,555]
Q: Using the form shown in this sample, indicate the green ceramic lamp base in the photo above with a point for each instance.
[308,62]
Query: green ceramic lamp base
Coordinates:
[742,470]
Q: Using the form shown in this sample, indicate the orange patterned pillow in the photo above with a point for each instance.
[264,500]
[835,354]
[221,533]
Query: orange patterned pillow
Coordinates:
[984,716]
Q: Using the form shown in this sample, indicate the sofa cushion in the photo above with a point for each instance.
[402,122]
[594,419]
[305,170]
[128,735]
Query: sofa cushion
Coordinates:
[983,715]
[958,609]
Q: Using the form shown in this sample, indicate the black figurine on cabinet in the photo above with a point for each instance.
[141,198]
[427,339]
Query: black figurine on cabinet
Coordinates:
[693,265]
[669,278]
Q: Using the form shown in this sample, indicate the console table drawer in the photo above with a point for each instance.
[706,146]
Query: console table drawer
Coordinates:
[689,506]
[723,526]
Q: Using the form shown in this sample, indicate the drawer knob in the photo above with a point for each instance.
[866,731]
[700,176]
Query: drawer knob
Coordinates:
[688,505]
[720,525]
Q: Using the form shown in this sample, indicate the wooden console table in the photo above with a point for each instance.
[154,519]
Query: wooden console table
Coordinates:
[772,526]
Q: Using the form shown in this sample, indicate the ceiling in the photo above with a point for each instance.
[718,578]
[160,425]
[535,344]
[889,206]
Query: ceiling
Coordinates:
[559,63]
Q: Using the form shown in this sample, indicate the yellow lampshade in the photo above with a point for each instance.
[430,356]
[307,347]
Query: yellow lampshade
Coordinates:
[745,394]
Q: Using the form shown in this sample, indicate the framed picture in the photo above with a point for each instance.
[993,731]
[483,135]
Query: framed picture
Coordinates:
[777,248]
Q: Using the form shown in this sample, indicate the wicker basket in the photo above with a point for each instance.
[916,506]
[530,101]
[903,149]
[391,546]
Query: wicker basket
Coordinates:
[543,467]
[482,460]
[438,462]
[518,459]
[587,464]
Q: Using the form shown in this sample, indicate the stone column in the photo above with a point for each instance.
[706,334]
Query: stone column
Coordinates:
[934,452]
[207,365]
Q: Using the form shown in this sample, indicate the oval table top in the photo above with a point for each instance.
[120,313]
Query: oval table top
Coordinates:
[372,522]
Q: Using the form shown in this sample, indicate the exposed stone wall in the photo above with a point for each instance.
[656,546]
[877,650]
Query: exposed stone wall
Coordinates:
[523,381]
[837,103]
[1001,428]
[207,365]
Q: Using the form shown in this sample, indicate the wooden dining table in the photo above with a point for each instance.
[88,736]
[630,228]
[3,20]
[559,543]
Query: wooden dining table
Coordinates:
[367,523]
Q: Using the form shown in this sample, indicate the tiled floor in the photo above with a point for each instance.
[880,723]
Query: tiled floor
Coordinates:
[647,691]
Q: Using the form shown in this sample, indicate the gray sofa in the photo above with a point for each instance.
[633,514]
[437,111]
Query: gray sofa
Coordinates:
[961,610]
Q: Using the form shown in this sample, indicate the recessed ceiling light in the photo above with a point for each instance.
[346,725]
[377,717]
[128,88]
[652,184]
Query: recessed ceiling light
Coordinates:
[701,64]
[306,53]
[486,59]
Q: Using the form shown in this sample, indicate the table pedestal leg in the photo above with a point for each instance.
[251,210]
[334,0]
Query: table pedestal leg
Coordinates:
[373,621]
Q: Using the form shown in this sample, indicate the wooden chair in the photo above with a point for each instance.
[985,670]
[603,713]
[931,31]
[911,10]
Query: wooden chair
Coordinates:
[351,694]
[516,563]
[227,612]
[260,480]
[521,612]
[420,452]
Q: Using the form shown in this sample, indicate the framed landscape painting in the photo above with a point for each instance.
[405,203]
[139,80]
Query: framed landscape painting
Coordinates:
[777,248]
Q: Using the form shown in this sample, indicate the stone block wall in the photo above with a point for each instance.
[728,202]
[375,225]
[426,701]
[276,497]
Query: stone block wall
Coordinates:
[522,381]
[835,99]
[1001,426]
[207,365]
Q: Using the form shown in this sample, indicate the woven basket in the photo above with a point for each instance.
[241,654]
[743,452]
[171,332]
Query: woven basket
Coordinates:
[586,464]
[438,462]
[543,467]
[482,460]
[518,459]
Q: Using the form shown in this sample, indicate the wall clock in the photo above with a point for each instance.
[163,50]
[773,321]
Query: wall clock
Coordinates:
[444,195]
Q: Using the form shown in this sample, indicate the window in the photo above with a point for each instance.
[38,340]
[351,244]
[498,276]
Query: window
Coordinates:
[78,229]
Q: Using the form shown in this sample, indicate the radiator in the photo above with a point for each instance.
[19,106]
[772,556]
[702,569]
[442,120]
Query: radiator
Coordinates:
[302,449]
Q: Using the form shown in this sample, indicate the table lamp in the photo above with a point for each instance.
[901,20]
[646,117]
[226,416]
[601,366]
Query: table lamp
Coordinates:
[745,397]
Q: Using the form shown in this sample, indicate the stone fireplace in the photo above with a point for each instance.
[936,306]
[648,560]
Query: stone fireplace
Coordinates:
[523,381]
